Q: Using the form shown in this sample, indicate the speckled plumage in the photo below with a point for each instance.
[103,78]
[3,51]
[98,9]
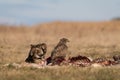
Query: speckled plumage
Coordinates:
[36,52]
[60,50]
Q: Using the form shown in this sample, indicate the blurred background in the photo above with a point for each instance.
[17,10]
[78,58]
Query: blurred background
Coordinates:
[92,26]
[38,11]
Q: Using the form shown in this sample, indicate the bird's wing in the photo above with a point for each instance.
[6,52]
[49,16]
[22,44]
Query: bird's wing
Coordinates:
[58,50]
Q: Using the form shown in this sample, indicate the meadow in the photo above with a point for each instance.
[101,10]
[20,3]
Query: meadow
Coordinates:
[91,39]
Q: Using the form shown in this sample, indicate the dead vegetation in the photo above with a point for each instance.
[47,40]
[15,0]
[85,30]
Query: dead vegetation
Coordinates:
[91,39]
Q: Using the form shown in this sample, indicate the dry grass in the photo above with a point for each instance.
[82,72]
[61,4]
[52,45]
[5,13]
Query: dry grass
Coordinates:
[94,39]
[62,73]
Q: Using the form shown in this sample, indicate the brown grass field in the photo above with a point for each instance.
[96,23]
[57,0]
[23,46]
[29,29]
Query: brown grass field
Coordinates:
[92,39]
